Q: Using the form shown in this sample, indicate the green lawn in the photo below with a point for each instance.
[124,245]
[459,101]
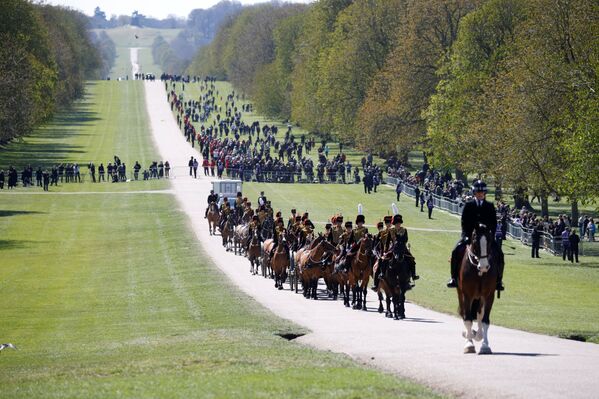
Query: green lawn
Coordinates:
[110,121]
[110,294]
[544,295]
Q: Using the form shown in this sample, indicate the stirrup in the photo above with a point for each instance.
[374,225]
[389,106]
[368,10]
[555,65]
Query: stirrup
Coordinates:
[415,277]
[500,287]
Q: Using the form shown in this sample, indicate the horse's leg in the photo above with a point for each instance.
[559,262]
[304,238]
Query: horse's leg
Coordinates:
[485,349]
[346,293]
[388,299]
[314,288]
[395,306]
[402,308]
[381,309]
[468,334]
[364,292]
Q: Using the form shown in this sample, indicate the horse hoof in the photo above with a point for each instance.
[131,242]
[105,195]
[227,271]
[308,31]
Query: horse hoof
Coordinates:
[364,309]
[469,349]
[280,287]
[355,307]
[395,317]
[381,310]
[402,316]
[346,305]
[388,315]
[485,350]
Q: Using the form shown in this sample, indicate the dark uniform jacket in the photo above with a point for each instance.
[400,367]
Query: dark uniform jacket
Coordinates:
[212,198]
[474,214]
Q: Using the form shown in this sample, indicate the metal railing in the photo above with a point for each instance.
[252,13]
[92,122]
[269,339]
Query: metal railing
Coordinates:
[548,242]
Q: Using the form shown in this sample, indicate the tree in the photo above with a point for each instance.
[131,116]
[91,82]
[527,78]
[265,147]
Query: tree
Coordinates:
[391,115]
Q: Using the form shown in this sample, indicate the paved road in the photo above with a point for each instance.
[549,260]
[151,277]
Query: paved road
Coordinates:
[426,347]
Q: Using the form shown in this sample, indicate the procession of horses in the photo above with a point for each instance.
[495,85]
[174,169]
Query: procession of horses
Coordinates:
[298,256]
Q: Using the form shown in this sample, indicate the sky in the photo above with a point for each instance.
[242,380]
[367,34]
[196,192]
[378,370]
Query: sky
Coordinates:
[159,9]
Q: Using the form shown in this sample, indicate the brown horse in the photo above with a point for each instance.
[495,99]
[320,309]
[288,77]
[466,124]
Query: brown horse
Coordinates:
[360,272]
[213,217]
[280,262]
[254,252]
[226,232]
[476,287]
[394,283]
[310,267]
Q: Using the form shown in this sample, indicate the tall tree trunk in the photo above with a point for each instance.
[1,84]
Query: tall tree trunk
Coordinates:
[519,198]
[544,205]
[498,192]
[459,174]
[575,213]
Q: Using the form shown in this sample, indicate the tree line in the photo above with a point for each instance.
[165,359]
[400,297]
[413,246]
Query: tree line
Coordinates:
[500,88]
[45,57]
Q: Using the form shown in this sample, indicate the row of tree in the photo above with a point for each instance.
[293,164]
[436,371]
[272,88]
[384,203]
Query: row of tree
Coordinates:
[501,88]
[45,57]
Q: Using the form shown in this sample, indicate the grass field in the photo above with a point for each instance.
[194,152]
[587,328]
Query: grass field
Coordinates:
[110,294]
[544,295]
[124,38]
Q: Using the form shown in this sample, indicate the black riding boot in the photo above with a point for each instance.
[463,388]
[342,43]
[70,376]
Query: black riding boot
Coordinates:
[500,286]
[413,271]
[453,281]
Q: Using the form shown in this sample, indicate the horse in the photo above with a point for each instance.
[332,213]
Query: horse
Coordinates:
[310,267]
[477,282]
[213,217]
[280,262]
[241,236]
[360,272]
[254,252]
[394,283]
[226,232]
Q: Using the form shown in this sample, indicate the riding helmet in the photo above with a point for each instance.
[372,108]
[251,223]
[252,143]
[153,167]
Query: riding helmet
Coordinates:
[479,186]
[397,219]
[360,219]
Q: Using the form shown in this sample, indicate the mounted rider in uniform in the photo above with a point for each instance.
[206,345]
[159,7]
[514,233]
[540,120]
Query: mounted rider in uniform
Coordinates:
[211,198]
[478,211]
[346,242]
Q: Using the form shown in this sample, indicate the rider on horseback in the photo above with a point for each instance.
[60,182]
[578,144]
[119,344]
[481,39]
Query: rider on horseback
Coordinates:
[394,240]
[225,211]
[337,228]
[478,211]
[291,220]
[211,198]
[346,242]
[278,234]
[254,228]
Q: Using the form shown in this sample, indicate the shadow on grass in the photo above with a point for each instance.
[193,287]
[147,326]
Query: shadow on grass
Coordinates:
[5,213]
[11,244]
[52,143]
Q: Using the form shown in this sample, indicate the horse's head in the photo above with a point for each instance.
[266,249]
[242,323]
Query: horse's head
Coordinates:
[480,248]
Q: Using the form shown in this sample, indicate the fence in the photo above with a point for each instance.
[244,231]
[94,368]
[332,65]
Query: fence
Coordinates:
[551,244]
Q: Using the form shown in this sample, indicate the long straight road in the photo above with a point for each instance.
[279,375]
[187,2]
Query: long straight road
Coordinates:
[426,347]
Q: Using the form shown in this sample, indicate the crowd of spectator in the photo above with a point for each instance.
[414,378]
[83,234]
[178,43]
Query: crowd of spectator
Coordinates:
[233,147]
[115,171]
